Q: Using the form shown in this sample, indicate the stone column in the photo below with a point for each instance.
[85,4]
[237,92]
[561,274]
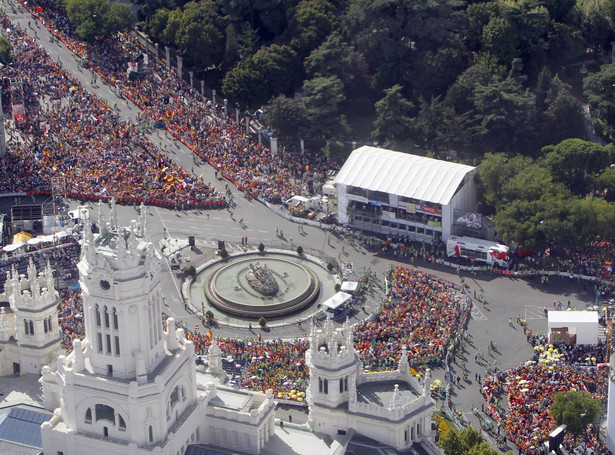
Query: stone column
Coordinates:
[191,79]
[225,108]
[213,97]
[167,56]
[203,88]
[302,146]
[156,45]
[247,124]
[180,66]
[274,146]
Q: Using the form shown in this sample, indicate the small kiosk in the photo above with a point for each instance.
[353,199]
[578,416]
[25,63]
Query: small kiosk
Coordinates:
[576,327]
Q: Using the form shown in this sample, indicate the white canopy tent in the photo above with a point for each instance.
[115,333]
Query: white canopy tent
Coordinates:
[580,326]
[349,286]
[337,300]
[13,246]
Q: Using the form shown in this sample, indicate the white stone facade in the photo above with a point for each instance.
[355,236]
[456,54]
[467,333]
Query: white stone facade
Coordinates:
[130,387]
[336,377]
[30,336]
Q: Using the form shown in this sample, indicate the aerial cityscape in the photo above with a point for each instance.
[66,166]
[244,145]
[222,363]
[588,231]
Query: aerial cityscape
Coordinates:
[307,227]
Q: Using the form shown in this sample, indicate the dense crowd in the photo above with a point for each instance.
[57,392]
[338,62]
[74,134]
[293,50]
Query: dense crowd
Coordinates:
[529,389]
[165,99]
[70,134]
[420,312]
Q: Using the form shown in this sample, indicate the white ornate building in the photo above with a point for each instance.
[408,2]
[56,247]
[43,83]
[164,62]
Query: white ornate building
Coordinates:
[392,407]
[610,416]
[131,387]
[30,336]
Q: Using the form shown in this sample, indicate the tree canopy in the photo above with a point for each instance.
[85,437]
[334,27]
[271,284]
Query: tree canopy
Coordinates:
[466,442]
[576,409]
[96,18]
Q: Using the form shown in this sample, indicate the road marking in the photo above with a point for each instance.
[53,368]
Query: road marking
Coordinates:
[534,312]
[477,314]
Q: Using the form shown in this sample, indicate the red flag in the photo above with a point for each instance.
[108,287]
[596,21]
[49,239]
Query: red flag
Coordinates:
[260,337]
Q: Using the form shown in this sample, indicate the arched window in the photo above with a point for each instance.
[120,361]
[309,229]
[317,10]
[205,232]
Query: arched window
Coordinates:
[97,316]
[31,328]
[175,396]
[26,327]
[88,415]
[122,423]
[45,325]
[115,323]
[106,317]
[104,412]
[150,432]
[50,323]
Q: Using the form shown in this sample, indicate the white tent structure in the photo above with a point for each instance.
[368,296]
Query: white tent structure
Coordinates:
[349,286]
[336,300]
[579,327]
[386,191]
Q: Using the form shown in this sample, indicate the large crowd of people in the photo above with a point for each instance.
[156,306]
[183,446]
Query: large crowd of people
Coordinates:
[520,398]
[165,99]
[73,136]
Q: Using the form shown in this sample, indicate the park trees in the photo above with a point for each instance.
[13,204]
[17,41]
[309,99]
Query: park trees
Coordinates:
[466,442]
[393,119]
[599,91]
[95,18]
[268,72]
[288,116]
[322,102]
[576,409]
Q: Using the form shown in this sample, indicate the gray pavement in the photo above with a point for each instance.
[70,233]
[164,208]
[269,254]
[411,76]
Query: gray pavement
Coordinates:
[506,297]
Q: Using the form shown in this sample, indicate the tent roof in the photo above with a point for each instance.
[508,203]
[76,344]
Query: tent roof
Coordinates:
[349,286]
[412,176]
[573,317]
[337,300]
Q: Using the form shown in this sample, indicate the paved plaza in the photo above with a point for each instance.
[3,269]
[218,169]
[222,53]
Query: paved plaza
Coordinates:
[506,297]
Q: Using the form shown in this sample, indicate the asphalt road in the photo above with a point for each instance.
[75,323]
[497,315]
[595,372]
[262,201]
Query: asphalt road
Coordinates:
[506,297]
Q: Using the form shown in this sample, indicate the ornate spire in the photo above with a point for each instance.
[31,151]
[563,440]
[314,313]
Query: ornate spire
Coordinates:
[403,364]
[3,327]
[396,398]
[114,222]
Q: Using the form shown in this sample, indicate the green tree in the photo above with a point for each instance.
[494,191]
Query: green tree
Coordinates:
[393,119]
[500,40]
[331,58]
[494,173]
[157,24]
[575,409]
[574,161]
[202,43]
[322,102]
[6,49]
[255,80]
[466,442]
[287,116]
[119,18]
[313,21]
[596,22]
[599,91]
[96,18]
[505,110]
[89,16]
[557,113]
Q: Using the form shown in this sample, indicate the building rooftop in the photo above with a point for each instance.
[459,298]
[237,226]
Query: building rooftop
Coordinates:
[22,425]
[403,174]
[381,393]
[235,400]
[294,439]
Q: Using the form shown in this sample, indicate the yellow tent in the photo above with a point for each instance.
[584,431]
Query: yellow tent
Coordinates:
[21,236]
